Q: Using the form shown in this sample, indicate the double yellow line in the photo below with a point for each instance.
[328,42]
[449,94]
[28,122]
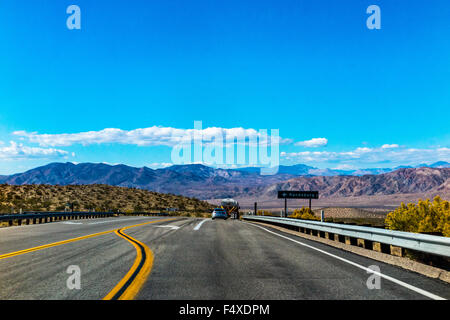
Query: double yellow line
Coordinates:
[129,286]
[133,281]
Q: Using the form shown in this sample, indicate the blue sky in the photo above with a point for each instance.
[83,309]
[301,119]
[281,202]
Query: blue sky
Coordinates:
[312,69]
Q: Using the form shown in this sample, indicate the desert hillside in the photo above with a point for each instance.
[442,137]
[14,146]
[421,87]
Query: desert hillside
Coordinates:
[88,197]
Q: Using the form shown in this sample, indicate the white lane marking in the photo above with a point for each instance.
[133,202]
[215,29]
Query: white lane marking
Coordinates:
[200,224]
[68,222]
[172,227]
[114,220]
[401,283]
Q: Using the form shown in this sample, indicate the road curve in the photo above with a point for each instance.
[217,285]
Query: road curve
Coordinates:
[188,258]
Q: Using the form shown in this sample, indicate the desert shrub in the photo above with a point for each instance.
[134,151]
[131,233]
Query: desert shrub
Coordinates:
[426,216]
[304,213]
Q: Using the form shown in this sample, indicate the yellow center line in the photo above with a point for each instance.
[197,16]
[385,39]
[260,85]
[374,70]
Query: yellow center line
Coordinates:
[16,253]
[129,286]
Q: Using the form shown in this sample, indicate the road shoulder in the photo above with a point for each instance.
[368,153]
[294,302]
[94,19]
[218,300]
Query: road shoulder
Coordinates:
[401,262]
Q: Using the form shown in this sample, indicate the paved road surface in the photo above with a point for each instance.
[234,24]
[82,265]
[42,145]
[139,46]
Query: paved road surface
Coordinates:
[163,258]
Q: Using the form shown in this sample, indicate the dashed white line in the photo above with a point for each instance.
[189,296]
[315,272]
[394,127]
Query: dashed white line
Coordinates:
[171,227]
[401,283]
[200,224]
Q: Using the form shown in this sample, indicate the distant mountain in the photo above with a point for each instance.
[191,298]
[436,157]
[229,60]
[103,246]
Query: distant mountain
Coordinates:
[297,169]
[195,180]
[361,172]
[402,181]
[304,170]
[204,182]
[440,164]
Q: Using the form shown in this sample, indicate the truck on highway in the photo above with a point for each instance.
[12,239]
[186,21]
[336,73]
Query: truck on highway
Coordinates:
[231,206]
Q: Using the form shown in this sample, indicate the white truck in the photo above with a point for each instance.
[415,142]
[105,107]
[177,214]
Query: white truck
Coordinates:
[231,206]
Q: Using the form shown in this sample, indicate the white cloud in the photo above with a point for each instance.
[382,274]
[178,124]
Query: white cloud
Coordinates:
[389,146]
[151,136]
[313,143]
[360,156]
[344,167]
[159,165]
[19,151]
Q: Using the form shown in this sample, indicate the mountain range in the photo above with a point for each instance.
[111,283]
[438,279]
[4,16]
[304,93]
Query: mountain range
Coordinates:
[302,169]
[203,182]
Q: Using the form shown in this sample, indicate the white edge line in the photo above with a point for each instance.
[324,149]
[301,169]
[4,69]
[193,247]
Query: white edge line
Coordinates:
[401,283]
[200,224]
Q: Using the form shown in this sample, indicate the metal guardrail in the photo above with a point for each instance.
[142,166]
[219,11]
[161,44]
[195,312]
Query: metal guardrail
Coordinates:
[40,215]
[408,240]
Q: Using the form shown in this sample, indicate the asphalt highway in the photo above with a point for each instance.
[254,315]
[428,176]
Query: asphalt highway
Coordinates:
[153,258]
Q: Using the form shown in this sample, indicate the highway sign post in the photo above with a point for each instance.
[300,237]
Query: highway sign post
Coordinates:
[285,194]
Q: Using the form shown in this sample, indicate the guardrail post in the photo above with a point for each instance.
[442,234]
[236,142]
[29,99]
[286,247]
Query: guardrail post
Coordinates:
[329,236]
[381,247]
[350,240]
[397,251]
[362,243]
